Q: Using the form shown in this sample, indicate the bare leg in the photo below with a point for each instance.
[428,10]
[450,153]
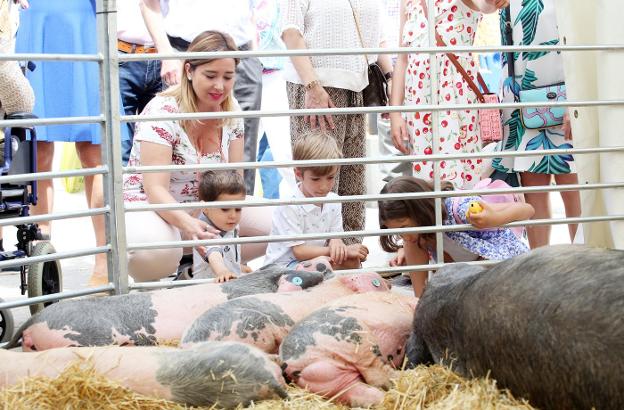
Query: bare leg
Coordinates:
[255,221]
[45,189]
[538,235]
[90,156]
[571,200]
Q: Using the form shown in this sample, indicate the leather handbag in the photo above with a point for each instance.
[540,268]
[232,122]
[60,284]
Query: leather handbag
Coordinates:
[376,92]
[490,123]
[543,117]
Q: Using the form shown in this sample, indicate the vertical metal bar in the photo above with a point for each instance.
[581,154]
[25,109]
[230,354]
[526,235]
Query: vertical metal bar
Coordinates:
[435,125]
[106,12]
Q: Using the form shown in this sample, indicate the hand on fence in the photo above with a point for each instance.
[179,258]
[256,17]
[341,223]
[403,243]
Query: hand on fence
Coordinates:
[398,130]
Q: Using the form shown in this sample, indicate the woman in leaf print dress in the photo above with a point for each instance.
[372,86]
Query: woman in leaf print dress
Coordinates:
[456,22]
[534,23]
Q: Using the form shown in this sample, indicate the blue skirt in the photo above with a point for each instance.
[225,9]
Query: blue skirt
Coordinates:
[64,88]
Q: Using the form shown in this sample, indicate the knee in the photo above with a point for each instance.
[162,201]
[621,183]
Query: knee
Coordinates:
[151,265]
[90,155]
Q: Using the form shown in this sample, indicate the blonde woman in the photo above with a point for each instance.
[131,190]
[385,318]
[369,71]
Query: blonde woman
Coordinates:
[206,86]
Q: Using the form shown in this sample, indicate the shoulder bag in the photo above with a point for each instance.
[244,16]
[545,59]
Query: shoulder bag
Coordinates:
[376,92]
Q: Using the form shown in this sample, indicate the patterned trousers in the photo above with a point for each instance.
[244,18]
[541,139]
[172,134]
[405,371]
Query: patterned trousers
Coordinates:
[350,135]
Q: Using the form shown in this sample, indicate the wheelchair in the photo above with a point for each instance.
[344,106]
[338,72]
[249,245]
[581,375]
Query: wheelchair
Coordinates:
[18,155]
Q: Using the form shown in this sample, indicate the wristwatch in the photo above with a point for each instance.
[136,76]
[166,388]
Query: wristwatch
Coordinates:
[312,84]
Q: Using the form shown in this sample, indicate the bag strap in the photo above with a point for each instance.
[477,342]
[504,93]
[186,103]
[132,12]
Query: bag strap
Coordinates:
[357,27]
[511,62]
[453,58]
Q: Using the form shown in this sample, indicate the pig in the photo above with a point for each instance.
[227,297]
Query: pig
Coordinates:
[264,320]
[143,319]
[224,374]
[350,348]
[547,325]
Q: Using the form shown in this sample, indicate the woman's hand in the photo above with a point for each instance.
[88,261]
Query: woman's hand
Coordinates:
[399,259]
[398,130]
[317,98]
[196,229]
[567,127]
[170,71]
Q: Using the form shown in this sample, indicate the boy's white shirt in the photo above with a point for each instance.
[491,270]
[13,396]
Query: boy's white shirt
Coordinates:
[301,219]
[231,255]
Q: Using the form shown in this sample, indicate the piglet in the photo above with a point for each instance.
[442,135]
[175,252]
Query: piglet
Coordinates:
[350,348]
[143,319]
[264,320]
[223,374]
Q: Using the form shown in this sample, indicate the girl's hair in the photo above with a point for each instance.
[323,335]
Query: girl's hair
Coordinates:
[420,210]
[214,183]
[183,93]
[316,145]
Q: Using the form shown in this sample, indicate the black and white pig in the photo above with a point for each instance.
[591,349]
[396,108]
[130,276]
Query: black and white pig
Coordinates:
[547,325]
[143,319]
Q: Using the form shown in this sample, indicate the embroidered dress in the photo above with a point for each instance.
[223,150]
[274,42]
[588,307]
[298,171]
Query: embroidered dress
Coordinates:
[459,130]
[492,244]
[183,184]
[534,23]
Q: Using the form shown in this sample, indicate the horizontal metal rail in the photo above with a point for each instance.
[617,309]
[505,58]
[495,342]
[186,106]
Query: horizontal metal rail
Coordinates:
[55,296]
[37,176]
[94,119]
[99,58]
[368,160]
[370,197]
[168,284]
[350,234]
[54,256]
[53,217]
[364,110]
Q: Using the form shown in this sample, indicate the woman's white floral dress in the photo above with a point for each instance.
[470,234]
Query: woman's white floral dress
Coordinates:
[183,184]
[459,130]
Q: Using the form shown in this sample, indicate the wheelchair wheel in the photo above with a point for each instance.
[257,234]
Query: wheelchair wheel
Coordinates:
[44,278]
[6,325]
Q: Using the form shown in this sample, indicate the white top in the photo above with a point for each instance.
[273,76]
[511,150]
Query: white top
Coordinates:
[130,25]
[327,24]
[301,219]
[187,18]
[184,184]
[231,255]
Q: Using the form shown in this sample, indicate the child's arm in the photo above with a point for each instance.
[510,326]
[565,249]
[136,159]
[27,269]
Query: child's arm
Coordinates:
[305,252]
[415,255]
[494,215]
[217,264]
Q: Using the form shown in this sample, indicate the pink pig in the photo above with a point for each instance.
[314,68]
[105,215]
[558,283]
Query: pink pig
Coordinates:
[350,348]
[264,320]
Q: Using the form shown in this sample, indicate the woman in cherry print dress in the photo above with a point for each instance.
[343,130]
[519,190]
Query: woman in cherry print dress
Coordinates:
[456,22]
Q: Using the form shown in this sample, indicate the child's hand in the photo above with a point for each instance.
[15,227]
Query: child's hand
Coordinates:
[337,251]
[487,218]
[357,251]
[399,259]
[224,277]
[245,268]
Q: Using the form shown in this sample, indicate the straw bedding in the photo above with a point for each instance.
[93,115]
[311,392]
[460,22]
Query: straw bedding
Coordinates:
[434,387]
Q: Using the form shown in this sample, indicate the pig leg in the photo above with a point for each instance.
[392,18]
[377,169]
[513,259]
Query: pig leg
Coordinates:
[333,380]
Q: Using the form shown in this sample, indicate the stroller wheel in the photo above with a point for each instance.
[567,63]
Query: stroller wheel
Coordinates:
[6,325]
[44,278]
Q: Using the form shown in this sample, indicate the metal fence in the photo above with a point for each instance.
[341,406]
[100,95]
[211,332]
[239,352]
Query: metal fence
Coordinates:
[112,170]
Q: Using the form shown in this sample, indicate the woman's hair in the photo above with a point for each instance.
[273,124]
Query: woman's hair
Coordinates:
[214,183]
[420,210]
[316,145]
[207,41]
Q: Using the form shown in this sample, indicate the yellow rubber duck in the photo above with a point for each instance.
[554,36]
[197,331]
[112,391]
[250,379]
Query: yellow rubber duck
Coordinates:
[473,208]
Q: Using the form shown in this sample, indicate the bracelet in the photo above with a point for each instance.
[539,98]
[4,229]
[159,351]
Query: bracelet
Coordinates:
[309,86]
[388,75]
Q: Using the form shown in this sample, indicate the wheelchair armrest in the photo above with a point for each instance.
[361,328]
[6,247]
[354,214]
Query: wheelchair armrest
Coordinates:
[20,116]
